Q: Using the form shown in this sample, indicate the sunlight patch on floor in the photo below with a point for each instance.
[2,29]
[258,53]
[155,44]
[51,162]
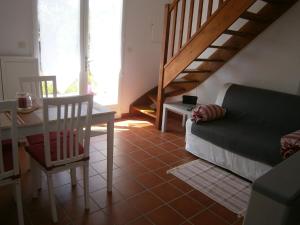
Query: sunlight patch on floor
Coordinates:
[122,126]
[133,124]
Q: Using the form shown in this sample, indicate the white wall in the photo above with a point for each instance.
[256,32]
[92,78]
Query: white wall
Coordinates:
[142,41]
[271,61]
[143,29]
[16,27]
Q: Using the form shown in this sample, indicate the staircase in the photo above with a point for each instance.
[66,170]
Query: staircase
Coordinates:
[199,37]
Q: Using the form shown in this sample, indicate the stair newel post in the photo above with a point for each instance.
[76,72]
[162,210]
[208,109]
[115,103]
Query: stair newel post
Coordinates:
[163,61]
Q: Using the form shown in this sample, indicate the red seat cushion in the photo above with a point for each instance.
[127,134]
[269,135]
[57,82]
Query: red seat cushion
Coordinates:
[7,155]
[39,138]
[37,152]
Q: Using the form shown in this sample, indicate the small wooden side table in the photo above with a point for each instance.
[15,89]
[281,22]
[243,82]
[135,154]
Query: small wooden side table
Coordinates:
[176,107]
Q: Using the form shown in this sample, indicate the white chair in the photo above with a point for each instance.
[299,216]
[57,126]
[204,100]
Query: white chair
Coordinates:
[39,86]
[67,125]
[9,159]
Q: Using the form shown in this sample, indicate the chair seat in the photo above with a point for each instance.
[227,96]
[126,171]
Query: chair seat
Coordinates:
[7,155]
[37,152]
[39,138]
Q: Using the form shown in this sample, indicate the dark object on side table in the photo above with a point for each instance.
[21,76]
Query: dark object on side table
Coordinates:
[189,99]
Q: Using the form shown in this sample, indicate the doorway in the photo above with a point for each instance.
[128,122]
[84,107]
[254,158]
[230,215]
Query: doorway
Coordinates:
[80,41]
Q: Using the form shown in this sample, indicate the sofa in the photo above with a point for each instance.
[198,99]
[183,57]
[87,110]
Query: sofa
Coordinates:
[247,140]
[275,197]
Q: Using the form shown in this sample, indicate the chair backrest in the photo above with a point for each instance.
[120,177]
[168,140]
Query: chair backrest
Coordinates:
[70,118]
[39,86]
[9,160]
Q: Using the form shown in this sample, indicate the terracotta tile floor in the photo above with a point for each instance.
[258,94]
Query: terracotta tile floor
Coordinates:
[142,191]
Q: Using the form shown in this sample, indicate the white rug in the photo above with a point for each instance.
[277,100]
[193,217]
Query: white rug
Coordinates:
[220,185]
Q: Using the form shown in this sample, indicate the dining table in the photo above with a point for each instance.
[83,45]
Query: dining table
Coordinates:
[30,123]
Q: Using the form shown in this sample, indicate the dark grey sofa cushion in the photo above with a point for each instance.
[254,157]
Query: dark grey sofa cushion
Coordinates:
[264,107]
[243,139]
[255,121]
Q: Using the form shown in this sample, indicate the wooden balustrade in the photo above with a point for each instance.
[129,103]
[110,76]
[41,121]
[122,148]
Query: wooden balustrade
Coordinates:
[173,31]
[200,11]
[187,13]
[193,26]
[209,10]
[183,35]
[191,16]
[181,23]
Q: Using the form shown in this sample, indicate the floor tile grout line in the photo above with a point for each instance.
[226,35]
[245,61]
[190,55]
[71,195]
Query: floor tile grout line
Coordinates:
[168,203]
[222,218]
[138,218]
[158,172]
[179,197]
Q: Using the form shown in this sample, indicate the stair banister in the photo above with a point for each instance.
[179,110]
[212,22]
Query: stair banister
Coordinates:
[215,24]
[163,60]
[183,45]
[220,20]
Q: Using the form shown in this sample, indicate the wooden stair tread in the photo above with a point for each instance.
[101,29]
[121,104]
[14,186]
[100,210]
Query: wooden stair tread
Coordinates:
[175,92]
[239,33]
[209,60]
[230,48]
[153,97]
[276,2]
[147,110]
[181,81]
[254,17]
[196,71]
[189,51]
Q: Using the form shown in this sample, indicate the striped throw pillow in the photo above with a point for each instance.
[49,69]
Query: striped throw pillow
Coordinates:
[290,144]
[204,113]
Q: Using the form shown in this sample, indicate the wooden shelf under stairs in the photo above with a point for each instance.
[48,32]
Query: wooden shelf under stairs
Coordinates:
[179,62]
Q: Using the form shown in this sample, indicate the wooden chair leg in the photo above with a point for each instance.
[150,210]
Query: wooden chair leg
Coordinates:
[19,202]
[86,185]
[73,176]
[28,159]
[52,198]
[36,178]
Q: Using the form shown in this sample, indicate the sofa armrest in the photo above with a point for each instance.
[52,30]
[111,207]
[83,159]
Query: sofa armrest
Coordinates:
[275,196]
[222,93]
[282,183]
